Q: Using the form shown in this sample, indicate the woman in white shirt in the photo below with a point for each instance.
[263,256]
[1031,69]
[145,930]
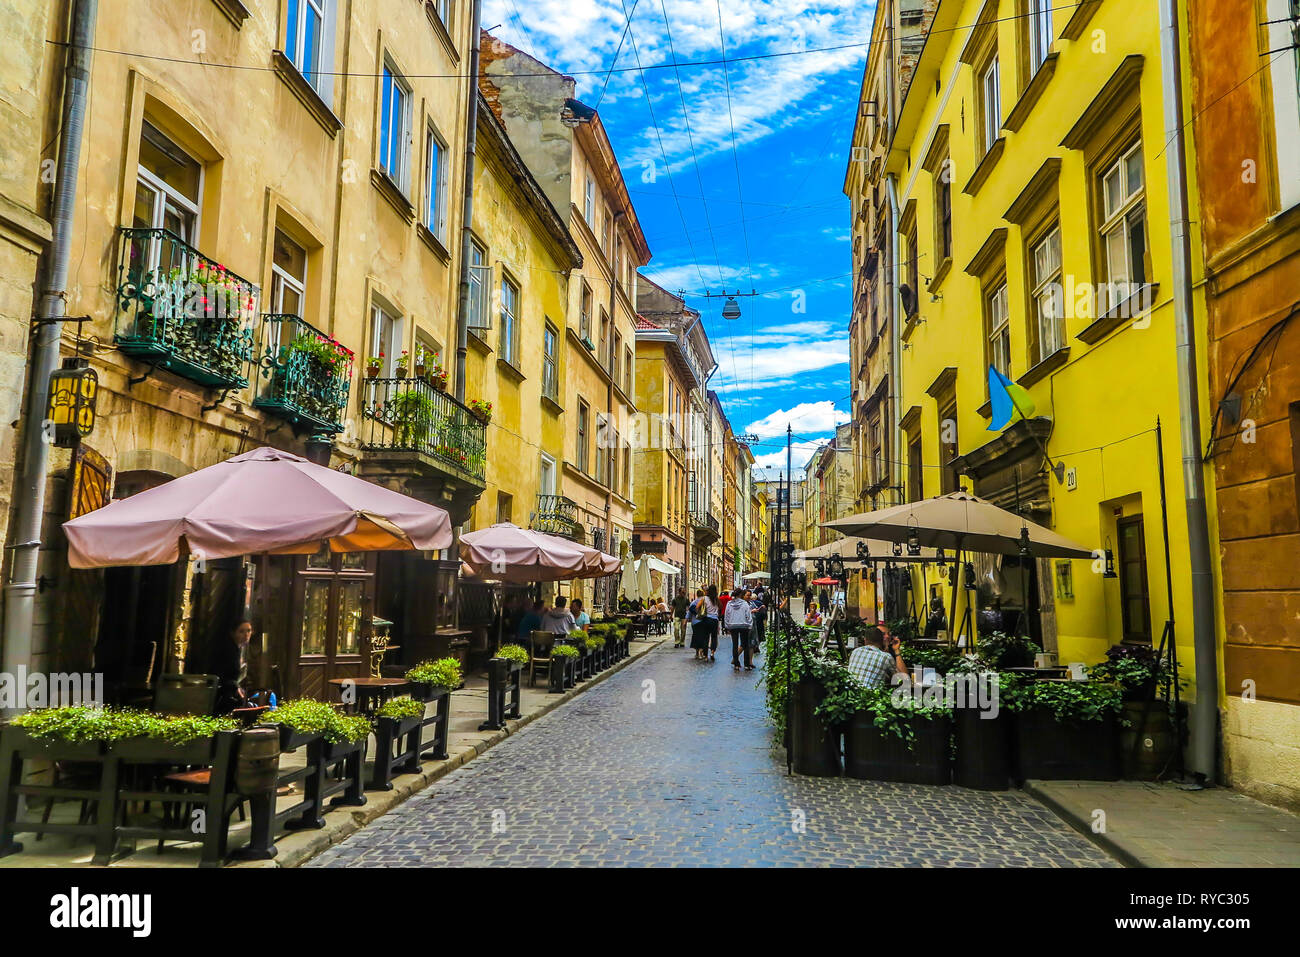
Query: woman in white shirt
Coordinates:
[705,628]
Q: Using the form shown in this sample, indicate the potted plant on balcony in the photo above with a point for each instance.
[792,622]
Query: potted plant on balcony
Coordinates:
[403,361]
[411,414]
[438,375]
[419,362]
[481,410]
[373,365]
[429,676]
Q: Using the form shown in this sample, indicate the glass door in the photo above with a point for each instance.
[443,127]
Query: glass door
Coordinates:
[336,595]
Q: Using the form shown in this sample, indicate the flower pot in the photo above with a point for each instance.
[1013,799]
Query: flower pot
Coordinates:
[874,755]
[372,372]
[816,744]
[984,750]
[337,751]
[1051,750]
[440,384]
[400,373]
[143,749]
[419,372]
[292,739]
[1148,746]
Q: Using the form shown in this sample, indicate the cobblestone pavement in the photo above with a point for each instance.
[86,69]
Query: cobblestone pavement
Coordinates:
[690,778]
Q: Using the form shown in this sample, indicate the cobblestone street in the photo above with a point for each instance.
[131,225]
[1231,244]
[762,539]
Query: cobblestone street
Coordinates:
[691,779]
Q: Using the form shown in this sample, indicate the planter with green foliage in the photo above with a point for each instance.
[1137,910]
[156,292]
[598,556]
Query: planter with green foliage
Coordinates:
[517,655]
[888,736]
[304,720]
[132,735]
[999,650]
[568,658]
[815,736]
[429,677]
[1067,730]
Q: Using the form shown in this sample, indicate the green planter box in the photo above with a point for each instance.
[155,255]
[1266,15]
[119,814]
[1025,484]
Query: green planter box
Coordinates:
[874,755]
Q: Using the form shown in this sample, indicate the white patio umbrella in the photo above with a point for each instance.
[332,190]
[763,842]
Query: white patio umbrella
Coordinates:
[629,582]
[644,586]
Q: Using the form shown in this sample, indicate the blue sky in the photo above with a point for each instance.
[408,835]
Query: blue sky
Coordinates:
[786,358]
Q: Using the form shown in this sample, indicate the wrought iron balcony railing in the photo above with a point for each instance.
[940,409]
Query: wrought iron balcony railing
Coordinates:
[557,515]
[413,416]
[305,374]
[176,309]
[705,521]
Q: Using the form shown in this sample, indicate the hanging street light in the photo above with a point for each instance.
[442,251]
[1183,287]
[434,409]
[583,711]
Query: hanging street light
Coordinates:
[70,415]
[731,310]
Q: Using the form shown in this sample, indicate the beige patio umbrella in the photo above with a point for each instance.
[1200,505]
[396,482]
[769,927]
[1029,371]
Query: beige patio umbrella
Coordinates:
[628,584]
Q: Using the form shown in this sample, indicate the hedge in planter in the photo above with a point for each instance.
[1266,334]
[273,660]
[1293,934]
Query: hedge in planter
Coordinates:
[134,735]
[1067,730]
[516,654]
[889,737]
[430,675]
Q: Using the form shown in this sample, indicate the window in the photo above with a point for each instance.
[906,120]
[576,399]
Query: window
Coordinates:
[584,313]
[1049,312]
[1040,33]
[943,210]
[168,186]
[949,480]
[913,272]
[509,321]
[550,377]
[435,185]
[443,9]
[546,478]
[606,235]
[627,371]
[999,326]
[480,316]
[604,335]
[877,459]
[615,351]
[583,417]
[288,276]
[385,339]
[589,204]
[602,450]
[1123,228]
[307,41]
[627,471]
[991,104]
[505,506]
[1282,22]
[394,128]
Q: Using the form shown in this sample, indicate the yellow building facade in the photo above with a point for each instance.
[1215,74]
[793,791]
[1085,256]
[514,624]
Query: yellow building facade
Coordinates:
[1034,235]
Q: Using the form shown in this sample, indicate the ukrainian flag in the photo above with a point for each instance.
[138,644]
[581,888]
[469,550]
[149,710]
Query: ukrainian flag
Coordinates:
[1010,403]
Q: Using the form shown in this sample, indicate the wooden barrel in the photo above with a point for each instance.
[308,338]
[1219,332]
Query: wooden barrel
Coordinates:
[258,764]
[1147,746]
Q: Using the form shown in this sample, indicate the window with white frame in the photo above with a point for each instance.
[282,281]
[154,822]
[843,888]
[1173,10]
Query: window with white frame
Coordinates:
[480,316]
[1123,227]
[395,128]
[386,339]
[1047,293]
[309,42]
[443,9]
[999,325]
[550,368]
[288,276]
[584,313]
[607,234]
[1282,53]
[991,103]
[435,184]
[1040,32]
[589,203]
[509,321]
[581,444]
[169,184]
[546,477]
[602,450]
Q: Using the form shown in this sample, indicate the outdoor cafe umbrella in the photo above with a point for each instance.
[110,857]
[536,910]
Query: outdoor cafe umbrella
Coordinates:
[644,587]
[506,552]
[264,501]
[960,521]
[754,576]
[629,584]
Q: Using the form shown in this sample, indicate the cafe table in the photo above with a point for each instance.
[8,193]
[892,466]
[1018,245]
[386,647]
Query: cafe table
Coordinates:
[370,693]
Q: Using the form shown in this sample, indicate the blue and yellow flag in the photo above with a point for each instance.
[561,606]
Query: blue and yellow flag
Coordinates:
[1010,402]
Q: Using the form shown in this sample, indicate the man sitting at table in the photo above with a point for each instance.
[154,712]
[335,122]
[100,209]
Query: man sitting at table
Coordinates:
[531,622]
[558,620]
[871,664]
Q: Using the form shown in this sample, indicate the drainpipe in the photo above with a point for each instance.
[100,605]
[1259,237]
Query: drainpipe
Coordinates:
[467,203]
[1206,707]
[29,487]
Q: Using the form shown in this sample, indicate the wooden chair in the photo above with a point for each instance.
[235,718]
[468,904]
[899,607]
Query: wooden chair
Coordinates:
[541,653]
[186,694]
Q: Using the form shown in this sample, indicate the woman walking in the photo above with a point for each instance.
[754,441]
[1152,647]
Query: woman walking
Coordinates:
[712,611]
[740,622]
[705,628]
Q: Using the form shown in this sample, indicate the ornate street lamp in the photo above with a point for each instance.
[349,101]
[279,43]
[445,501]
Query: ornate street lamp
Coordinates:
[70,414]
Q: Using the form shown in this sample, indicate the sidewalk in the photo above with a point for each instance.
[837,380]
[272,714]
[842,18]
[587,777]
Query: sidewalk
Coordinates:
[1150,824]
[464,743]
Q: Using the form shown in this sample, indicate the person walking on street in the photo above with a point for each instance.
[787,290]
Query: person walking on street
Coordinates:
[760,617]
[699,626]
[680,604]
[713,606]
[740,622]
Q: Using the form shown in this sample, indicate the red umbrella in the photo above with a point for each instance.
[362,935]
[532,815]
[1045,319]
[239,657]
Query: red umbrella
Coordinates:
[826,581]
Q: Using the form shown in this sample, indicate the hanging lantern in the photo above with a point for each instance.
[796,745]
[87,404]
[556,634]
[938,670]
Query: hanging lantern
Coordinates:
[898,548]
[970,575]
[863,553]
[731,309]
[70,414]
[913,541]
[1110,565]
[1024,542]
[871,576]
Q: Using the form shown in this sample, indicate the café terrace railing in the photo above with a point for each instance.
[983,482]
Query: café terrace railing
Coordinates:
[178,310]
[412,415]
[557,515]
[305,374]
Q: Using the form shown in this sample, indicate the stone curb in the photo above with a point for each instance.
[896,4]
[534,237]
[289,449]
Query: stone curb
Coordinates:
[1104,841]
[294,850]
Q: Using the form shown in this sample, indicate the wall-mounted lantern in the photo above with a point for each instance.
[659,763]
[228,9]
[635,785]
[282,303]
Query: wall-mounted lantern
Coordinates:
[74,389]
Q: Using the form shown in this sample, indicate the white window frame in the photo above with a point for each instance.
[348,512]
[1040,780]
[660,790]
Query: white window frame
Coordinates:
[443,9]
[391,349]
[167,194]
[510,321]
[999,336]
[1049,316]
[546,475]
[589,203]
[1121,218]
[480,281]
[1040,33]
[395,151]
[319,74]
[990,83]
[1284,70]
[280,278]
[586,299]
[550,361]
[435,184]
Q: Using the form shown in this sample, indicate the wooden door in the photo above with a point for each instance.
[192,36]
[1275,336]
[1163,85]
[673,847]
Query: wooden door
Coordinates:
[334,597]
[1135,602]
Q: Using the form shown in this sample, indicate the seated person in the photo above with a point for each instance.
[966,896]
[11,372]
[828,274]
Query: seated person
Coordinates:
[871,664]
[813,617]
[229,661]
[581,619]
[531,622]
[558,620]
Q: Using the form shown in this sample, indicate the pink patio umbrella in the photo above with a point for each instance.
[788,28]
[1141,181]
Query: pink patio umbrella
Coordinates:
[506,552]
[264,501]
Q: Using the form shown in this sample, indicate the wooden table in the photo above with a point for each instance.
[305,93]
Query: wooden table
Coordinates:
[370,693]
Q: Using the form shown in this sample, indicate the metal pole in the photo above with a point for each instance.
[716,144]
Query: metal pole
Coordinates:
[1201,575]
[786,633]
[467,204]
[1170,630]
[29,487]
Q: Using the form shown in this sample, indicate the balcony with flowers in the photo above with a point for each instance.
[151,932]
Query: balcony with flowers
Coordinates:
[305,375]
[179,310]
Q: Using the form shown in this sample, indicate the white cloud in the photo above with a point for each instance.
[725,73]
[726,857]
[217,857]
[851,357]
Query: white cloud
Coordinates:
[806,417]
